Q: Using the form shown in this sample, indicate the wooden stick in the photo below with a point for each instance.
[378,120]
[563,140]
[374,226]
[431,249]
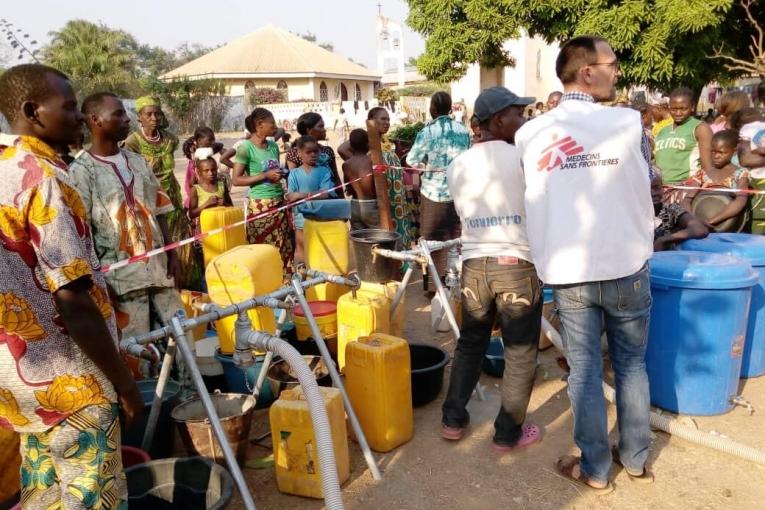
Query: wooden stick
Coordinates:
[381,181]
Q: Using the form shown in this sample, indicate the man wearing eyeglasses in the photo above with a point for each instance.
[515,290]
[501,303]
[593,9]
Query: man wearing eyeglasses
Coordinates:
[590,228]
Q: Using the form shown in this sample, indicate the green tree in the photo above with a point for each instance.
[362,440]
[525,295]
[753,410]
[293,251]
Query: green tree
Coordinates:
[95,57]
[660,43]
[153,60]
[191,103]
[755,64]
[187,52]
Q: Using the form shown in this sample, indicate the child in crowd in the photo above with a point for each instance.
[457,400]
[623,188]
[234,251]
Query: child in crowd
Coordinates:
[723,174]
[365,212]
[227,154]
[203,138]
[284,144]
[751,153]
[306,180]
[672,223]
[210,190]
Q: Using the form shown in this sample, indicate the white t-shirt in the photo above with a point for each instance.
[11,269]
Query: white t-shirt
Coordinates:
[486,183]
[120,161]
[588,199]
[754,132]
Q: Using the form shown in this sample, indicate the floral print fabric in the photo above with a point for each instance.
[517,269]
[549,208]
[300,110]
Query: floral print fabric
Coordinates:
[76,464]
[45,244]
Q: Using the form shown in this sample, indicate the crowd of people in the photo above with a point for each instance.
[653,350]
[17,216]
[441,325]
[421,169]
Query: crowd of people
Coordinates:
[575,197]
[578,195]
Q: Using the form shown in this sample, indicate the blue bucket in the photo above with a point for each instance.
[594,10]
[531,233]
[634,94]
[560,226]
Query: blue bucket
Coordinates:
[164,434]
[752,249]
[697,330]
[494,359]
[238,379]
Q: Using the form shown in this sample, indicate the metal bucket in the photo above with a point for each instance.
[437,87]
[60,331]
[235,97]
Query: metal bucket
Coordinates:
[235,413]
[371,267]
[282,377]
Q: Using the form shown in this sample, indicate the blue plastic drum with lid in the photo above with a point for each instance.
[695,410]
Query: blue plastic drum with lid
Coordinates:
[752,249]
[697,330]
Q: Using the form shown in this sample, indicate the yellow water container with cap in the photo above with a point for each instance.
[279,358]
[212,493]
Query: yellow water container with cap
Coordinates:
[240,274]
[295,452]
[327,246]
[378,380]
[388,291]
[359,316]
[216,244]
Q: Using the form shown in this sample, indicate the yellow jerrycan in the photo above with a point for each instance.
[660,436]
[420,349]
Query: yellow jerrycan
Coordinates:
[388,291]
[295,454]
[378,380]
[360,316]
[327,246]
[240,274]
[216,217]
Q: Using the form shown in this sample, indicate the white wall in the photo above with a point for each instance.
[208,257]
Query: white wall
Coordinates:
[468,87]
[523,79]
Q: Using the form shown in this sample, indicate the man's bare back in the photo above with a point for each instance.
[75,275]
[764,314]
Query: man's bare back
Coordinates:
[356,166]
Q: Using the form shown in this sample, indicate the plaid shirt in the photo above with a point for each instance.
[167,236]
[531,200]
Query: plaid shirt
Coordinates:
[645,142]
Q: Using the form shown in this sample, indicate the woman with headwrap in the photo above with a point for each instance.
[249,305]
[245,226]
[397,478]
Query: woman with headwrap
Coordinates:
[157,146]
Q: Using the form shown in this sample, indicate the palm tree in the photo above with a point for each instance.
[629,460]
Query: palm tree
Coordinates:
[95,57]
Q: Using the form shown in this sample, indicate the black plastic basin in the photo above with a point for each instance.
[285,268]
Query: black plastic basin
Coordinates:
[428,362]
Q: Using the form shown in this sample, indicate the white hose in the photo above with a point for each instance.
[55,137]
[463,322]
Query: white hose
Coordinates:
[329,480]
[671,425]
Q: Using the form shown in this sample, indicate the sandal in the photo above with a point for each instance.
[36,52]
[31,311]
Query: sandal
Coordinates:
[452,433]
[565,466]
[645,477]
[530,434]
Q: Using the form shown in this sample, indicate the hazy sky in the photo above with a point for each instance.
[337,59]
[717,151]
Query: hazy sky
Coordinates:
[347,24]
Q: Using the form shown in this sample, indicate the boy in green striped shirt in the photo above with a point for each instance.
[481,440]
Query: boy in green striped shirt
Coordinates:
[683,147]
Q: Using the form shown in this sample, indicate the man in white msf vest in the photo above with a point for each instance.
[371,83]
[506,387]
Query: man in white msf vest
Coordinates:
[590,227]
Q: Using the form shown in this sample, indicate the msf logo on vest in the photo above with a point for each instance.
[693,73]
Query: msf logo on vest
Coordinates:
[557,153]
[567,154]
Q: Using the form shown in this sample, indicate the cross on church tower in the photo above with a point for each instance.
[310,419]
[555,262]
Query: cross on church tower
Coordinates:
[379,9]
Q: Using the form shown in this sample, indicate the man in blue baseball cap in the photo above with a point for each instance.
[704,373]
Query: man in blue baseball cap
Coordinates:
[498,275]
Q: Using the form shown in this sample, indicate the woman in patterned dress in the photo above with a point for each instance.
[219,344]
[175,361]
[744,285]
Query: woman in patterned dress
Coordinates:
[401,208]
[157,146]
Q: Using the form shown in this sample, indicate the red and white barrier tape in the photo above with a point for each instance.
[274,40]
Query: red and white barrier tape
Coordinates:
[259,216]
[409,169]
[375,169]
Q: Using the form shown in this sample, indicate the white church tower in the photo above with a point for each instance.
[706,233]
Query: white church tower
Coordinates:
[390,45]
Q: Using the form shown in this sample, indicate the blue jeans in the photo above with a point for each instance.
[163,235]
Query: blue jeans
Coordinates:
[623,306]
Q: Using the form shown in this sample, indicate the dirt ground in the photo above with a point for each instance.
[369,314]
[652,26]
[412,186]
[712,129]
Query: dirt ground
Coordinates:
[429,472]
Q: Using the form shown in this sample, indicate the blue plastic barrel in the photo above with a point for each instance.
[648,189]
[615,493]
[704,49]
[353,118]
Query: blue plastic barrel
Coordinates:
[752,249]
[697,330]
